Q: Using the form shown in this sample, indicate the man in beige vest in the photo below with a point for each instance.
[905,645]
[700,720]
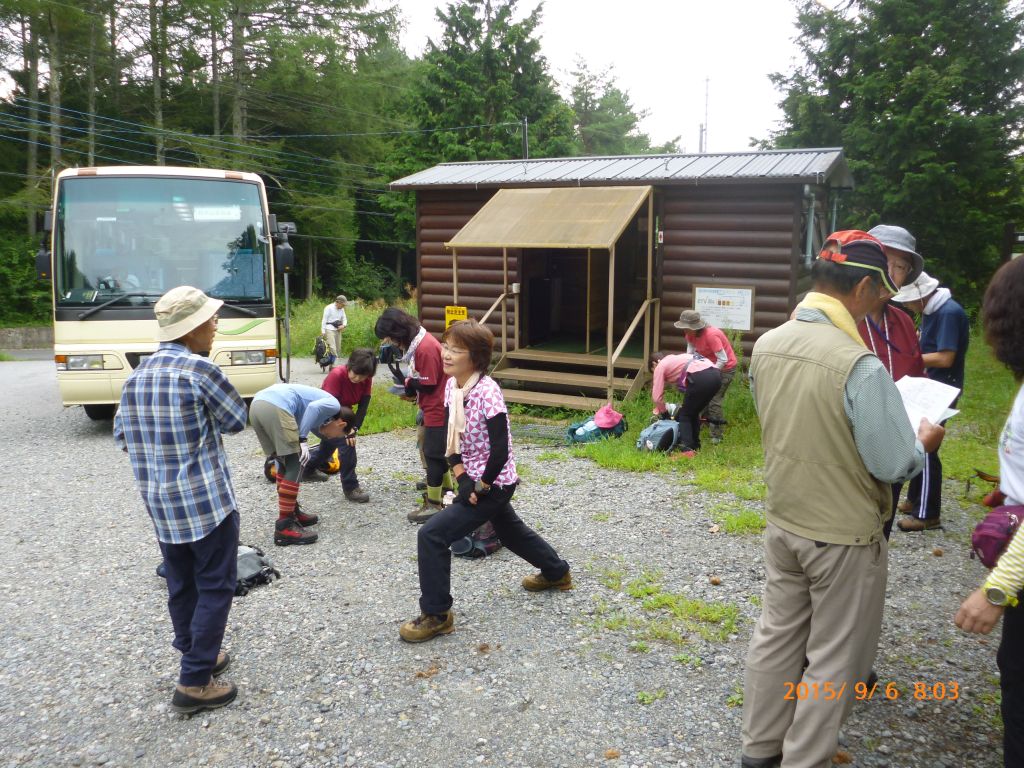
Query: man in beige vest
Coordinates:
[829,462]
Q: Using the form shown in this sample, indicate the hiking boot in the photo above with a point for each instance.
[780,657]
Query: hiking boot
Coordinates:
[288,531]
[421,486]
[357,495]
[223,662]
[189,699]
[909,524]
[304,519]
[313,475]
[760,762]
[424,513]
[538,583]
[426,627]
[905,506]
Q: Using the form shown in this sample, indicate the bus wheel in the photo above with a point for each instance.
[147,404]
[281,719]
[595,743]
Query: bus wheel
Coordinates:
[100,412]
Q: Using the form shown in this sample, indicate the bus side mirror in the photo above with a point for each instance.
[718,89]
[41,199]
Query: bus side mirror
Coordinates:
[43,263]
[48,220]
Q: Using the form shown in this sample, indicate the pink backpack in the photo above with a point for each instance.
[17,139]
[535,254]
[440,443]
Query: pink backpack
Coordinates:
[993,535]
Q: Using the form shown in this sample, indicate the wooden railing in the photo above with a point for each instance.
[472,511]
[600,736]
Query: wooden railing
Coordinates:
[642,314]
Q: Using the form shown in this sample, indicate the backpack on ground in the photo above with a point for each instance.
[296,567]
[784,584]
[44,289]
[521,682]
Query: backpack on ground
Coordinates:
[480,543]
[322,353]
[253,569]
[662,435]
[587,431]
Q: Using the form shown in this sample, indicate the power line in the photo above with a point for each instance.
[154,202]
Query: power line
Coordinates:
[351,239]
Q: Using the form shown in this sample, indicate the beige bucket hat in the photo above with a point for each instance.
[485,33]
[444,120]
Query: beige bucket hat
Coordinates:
[181,310]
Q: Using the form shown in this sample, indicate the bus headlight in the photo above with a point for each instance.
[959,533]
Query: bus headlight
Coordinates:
[249,357]
[79,362]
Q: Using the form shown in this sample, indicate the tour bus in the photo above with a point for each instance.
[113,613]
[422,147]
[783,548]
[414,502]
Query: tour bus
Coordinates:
[121,236]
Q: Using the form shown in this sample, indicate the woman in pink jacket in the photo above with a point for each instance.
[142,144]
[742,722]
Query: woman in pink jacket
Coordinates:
[698,379]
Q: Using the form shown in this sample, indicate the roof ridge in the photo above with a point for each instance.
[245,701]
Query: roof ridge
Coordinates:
[509,161]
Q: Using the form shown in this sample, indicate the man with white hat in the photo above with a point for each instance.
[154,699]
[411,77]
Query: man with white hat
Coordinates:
[333,324]
[945,333]
[174,407]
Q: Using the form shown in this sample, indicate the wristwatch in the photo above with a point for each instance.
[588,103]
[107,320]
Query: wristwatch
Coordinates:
[997,596]
[481,488]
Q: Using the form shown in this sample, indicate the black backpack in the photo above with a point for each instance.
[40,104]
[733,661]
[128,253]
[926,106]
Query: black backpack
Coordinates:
[322,354]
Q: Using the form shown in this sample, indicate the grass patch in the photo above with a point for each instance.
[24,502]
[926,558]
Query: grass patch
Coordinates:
[738,520]
[387,413]
[5,358]
[649,697]
[667,617]
[306,316]
[735,699]
[688,660]
[550,456]
[601,517]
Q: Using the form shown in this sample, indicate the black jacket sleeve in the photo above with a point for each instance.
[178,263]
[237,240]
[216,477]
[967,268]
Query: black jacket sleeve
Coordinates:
[364,403]
[497,435]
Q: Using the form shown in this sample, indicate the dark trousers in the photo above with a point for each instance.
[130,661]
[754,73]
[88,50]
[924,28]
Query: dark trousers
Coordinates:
[925,491]
[897,489]
[201,579]
[346,455]
[458,520]
[435,440]
[1010,659]
[700,388]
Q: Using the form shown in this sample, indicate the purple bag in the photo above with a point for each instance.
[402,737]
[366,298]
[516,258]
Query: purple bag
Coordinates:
[993,535]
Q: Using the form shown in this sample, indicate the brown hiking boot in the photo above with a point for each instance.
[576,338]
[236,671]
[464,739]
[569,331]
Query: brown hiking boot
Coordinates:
[537,582]
[918,524]
[189,699]
[426,627]
[288,531]
[905,506]
[424,513]
[223,662]
[357,495]
[305,519]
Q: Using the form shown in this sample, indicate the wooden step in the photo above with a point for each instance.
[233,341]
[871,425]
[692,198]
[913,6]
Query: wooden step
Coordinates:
[550,399]
[574,358]
[577,380]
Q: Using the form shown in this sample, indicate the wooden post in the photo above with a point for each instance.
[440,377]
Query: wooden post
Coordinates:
[455,277]
[587,348]
[504,301]
[611,309]
[650,285]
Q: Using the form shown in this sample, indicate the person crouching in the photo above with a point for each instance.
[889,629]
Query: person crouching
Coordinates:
[479,451]
[283,415]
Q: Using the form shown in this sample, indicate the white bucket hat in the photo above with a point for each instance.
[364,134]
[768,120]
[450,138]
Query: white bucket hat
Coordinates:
[181,310]
[900,239]
[922,288]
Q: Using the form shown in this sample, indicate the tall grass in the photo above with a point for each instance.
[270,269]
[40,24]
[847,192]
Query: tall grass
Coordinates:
[306,316]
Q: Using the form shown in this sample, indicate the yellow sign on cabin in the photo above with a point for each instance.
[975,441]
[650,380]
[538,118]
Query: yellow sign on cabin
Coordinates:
[454,314]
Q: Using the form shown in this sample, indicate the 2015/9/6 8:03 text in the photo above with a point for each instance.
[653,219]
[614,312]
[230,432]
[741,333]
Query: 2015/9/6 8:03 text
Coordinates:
[830,691]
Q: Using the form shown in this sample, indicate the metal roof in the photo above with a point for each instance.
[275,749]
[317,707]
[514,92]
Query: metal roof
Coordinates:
[562,217]
[814,166]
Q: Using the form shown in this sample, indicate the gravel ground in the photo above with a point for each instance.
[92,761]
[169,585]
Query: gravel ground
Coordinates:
[567,679]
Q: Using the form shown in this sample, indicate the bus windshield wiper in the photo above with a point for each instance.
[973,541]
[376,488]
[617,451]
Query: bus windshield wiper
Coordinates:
[243,310]
[93,310]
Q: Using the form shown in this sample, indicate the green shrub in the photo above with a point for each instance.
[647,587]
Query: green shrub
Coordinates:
[26,298]
[306,316]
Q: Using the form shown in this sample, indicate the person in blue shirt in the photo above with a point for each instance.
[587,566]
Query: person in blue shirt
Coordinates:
[174,407]
[945,333]
[282,416]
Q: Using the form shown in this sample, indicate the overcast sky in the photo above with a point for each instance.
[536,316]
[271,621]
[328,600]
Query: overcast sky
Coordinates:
[662,51]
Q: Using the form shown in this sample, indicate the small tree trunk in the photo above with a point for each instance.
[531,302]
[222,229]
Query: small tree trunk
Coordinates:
[30,52]
[155,54]
[215,77]
[115,69]
[238,70]
[91,99]
[55,65]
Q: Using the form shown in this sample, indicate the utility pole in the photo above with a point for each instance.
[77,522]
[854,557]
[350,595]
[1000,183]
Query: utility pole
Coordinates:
[526,138]
[704,125]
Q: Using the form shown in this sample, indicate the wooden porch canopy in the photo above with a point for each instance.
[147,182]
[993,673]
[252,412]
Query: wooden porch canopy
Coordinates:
[562,217]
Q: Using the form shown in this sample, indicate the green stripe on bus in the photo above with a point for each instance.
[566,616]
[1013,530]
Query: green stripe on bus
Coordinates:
[242,329]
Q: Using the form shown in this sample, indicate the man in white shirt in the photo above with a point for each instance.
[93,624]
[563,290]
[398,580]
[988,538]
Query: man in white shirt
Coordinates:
[333,323]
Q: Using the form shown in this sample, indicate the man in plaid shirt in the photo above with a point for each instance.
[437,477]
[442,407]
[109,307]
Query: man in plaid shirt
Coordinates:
[174,407]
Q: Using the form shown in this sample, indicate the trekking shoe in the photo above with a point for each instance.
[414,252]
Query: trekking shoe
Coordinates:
[288,531]
[421,485]
[909,524]
[189,699]
[683,455]
[304,519]
[313,475]
[426,627]
[905,506]
[538,583]
[357,495]
[223,662]
[424,513]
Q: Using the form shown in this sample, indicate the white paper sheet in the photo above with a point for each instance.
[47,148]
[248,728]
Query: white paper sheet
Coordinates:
[928,399]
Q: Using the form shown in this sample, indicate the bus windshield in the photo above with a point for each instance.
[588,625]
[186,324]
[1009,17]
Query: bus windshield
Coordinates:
[145,235]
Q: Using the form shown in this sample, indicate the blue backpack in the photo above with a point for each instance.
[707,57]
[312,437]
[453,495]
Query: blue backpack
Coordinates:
[662,436]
